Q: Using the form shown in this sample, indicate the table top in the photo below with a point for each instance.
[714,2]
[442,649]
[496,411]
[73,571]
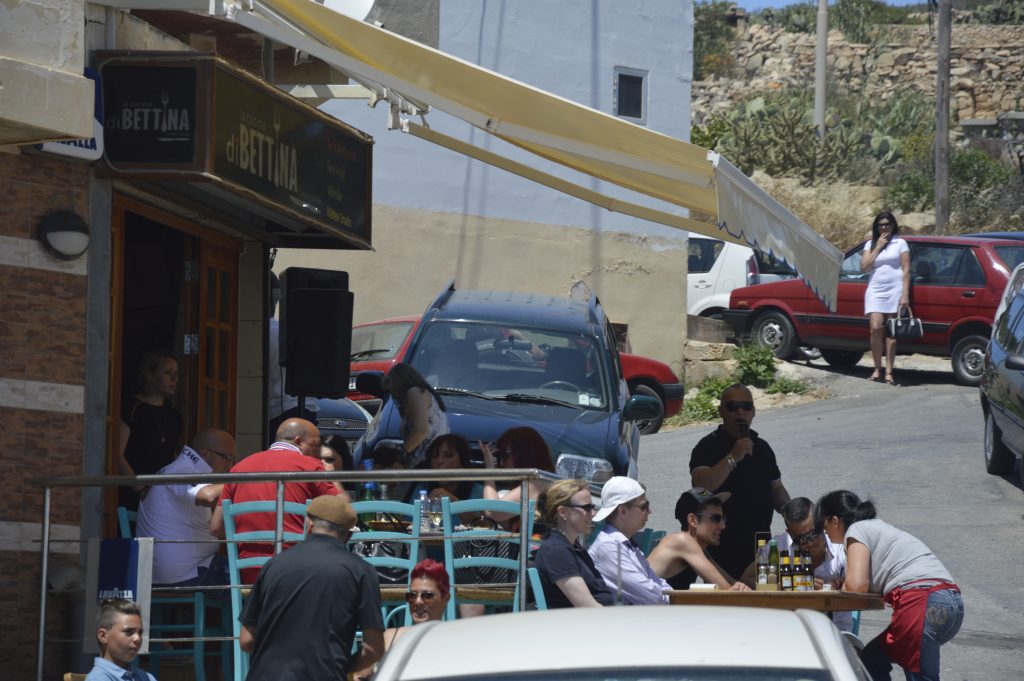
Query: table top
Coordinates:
[822,601]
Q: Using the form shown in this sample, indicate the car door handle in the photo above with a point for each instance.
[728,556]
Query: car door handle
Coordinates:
[968,294]
[702,285]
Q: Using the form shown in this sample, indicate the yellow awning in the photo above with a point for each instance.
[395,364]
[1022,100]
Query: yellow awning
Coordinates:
[414,77]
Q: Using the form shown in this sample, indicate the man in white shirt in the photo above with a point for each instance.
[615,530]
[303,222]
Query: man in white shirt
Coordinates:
[183,512]
[827,559]
[624,510]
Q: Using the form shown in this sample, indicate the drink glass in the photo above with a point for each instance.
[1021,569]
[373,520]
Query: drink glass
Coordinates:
[435,514]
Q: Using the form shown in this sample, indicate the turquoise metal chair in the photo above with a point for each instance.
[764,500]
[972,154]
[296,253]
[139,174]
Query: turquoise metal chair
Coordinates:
[236,564]
[162,607]
[451,511]
[648,539]
[404,515]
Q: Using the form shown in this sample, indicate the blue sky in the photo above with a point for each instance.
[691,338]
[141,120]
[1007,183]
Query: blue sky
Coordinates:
[754,5]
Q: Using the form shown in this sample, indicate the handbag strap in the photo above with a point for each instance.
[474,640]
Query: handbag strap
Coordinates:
[904,308]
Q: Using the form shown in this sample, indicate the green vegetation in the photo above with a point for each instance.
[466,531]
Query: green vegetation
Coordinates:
[983,189]
[776,133]
[859,20]
[999,12]
[756,368]
[713,40]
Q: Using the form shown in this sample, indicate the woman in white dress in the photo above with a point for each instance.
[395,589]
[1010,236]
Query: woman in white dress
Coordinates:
[886,258]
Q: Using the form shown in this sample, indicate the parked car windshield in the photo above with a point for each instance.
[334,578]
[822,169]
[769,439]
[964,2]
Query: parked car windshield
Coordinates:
[378,341]
[498,361]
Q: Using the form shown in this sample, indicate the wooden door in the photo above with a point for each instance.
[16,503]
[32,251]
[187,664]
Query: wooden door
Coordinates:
[217,336]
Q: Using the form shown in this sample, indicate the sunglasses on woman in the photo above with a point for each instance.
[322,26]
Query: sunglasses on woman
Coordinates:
[427,596]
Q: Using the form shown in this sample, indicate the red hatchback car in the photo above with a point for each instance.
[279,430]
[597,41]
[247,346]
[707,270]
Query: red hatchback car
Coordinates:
[956,284]
[377,346]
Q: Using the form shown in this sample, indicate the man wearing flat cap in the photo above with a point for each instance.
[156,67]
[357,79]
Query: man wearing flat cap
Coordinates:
[623,566]
[308,602]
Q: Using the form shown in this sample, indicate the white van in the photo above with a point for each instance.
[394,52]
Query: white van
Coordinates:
[716,267]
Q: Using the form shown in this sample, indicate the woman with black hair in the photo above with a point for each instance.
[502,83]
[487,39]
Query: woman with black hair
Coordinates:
[335,455]
[927,609]
[886,258]
[422,410]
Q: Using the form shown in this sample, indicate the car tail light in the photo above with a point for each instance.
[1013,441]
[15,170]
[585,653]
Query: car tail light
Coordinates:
[752,271]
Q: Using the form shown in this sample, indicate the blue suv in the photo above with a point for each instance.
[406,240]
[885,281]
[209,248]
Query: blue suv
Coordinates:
[501,360]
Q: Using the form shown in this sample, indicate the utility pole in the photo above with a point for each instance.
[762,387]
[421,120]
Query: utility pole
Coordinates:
[944,39]
[820,57]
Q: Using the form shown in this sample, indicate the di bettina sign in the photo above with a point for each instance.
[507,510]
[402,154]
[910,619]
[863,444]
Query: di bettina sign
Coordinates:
[171,116]
[271,144]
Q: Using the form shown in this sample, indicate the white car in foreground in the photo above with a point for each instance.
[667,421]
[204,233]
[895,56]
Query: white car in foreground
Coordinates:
[652,643]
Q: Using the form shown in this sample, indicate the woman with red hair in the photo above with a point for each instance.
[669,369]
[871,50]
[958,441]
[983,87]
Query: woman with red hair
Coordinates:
[427,598]
[521,447]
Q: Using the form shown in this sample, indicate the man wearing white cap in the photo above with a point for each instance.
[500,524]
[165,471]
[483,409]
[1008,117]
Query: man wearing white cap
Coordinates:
[624,510]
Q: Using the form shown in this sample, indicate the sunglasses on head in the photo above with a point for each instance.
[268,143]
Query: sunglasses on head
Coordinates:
[713,517]
[736,406]
[427,596]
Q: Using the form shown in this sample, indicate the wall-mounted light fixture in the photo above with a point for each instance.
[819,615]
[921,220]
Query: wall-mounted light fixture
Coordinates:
[63,234]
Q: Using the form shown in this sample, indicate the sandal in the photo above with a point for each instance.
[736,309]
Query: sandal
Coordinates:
[875,377]
[889,379]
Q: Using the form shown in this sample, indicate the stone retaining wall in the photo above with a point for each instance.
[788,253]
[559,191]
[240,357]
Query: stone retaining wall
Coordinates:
[987,67]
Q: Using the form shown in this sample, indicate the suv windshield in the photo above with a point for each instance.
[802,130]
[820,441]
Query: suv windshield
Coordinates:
[502,362]
[378,341]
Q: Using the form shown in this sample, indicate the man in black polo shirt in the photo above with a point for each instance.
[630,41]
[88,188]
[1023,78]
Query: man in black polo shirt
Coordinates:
[302,616]
[734,459]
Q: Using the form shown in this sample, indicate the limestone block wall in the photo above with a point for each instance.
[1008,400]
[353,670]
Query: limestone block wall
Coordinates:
[987,65]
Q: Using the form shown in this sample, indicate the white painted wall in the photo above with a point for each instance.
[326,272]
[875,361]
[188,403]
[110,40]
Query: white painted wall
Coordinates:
[569,48]
[439,215]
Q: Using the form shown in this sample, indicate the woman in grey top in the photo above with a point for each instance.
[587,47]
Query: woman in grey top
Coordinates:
[926,606]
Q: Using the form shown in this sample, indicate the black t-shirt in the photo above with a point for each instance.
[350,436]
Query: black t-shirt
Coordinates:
[750,507]
[558,559]
[155,435]
[305,608]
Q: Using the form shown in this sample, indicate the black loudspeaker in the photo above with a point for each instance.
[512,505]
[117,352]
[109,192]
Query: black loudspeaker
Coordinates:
[316,331]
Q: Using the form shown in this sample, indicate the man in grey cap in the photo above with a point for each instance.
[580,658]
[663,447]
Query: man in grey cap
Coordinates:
[682,557]
[624,510]
[308,602]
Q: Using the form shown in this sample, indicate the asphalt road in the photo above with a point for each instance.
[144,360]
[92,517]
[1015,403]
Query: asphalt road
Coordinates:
[916,450]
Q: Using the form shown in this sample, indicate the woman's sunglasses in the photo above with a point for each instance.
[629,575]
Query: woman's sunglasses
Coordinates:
[427,596]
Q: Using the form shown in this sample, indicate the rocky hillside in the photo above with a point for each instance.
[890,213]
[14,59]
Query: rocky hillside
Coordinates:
[987,67]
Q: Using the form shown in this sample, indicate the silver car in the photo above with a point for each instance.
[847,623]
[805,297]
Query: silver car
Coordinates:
[656,643]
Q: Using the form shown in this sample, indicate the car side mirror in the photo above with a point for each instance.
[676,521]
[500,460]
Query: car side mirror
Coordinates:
[641,408]
[1015,362]
[371,383]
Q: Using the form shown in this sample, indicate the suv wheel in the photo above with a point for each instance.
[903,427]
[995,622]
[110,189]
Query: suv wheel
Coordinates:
[653,425]
[969,359]
[773,330]
[999,459]
[842,359]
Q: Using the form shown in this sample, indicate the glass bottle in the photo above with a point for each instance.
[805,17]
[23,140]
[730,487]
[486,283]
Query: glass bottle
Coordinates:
[773,564]
[369,492]
[785,573]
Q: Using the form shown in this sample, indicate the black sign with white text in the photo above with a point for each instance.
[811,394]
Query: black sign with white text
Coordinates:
[177,117]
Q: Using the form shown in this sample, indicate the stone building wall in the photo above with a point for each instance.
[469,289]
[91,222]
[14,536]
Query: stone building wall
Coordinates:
[987,67]
[42,359]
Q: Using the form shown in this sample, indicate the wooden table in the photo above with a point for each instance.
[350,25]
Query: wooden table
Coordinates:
[822,601]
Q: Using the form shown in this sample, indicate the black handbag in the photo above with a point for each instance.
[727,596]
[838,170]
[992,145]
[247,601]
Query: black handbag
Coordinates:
[903,325]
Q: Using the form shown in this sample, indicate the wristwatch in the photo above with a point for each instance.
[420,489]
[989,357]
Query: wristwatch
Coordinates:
[731,461]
